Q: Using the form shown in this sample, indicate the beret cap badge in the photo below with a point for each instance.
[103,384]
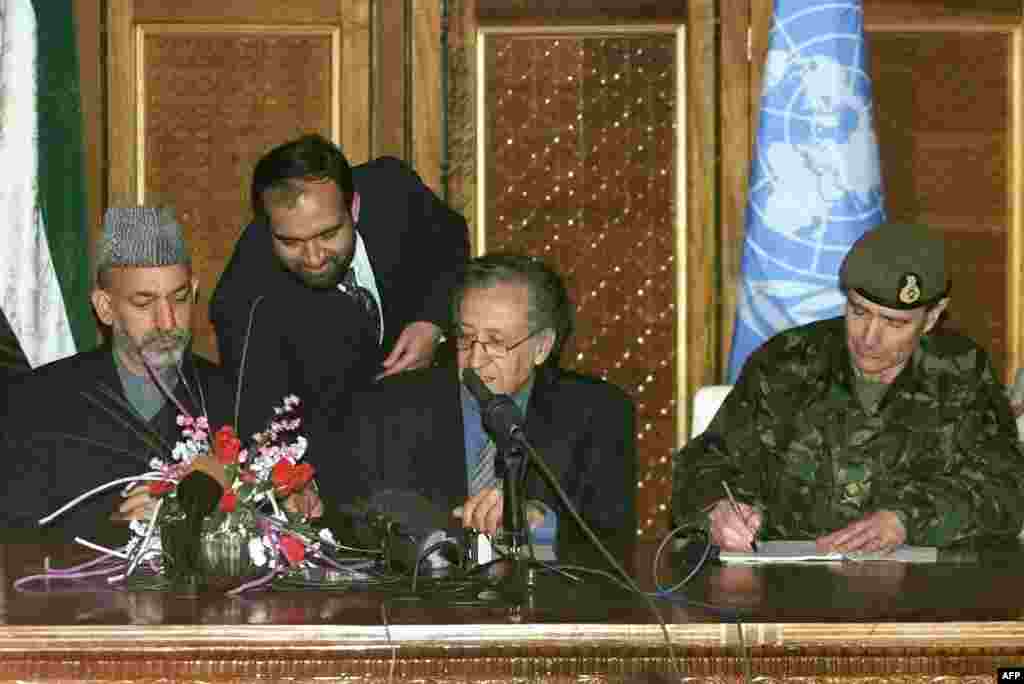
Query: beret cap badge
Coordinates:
[910,288]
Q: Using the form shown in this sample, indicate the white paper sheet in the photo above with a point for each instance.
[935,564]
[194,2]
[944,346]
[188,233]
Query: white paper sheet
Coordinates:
[789,551]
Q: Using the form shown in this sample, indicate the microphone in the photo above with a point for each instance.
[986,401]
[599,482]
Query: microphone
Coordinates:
[410,524]
[501,417]
[198,496]
[504,422]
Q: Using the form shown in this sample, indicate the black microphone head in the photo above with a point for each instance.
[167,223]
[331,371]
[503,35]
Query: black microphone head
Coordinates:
[199,494]
[480,391]
[714,442]
[501,417]
[413,512]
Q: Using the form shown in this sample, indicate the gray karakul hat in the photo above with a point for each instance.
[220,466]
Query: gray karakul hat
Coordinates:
[897,265]
[141,236]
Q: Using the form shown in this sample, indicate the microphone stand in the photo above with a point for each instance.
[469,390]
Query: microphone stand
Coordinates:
[515,574]
[514,584]
[504,423]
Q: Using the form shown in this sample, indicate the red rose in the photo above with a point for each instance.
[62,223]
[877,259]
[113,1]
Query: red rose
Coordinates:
[227,445]
[293,549]
[158,489]
[228,502]
[290,477]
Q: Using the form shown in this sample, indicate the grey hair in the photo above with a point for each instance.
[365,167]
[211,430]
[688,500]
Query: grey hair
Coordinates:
[549,305]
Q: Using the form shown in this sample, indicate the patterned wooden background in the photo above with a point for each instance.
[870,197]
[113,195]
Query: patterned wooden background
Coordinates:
[205,89]
[581,171]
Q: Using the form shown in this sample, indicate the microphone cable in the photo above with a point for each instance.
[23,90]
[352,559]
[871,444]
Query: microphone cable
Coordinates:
[593,539]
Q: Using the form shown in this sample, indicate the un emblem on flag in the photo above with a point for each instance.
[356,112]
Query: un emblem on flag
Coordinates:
[815,184]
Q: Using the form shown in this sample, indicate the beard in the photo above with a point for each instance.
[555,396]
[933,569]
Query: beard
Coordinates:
[161,351]
[332,273]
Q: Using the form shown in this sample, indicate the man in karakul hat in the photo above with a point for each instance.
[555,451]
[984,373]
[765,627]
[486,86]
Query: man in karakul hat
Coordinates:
[867,430]
[103,414]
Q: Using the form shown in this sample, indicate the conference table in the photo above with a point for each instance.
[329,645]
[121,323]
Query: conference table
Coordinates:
[955,620]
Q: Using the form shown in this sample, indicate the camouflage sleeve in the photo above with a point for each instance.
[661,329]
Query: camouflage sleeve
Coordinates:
[967,485]
[730,450]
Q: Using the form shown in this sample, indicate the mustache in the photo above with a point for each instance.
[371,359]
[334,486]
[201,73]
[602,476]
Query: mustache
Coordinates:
[176,338]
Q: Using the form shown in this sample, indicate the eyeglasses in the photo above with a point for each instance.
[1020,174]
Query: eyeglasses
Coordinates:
[494,349]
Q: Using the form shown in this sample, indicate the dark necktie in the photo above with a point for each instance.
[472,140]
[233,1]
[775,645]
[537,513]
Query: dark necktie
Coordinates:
[364,298]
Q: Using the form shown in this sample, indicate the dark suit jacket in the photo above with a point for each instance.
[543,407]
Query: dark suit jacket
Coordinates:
[316,344]
[406,433]
[65,437]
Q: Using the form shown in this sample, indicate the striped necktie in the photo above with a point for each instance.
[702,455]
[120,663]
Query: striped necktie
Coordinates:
[483,472]
[364,298]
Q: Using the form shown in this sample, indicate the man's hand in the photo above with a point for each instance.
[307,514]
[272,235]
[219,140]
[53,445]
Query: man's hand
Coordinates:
[138,505]
[1017,408]
[878,531]
[481,507]
[414,348]
[305,502]
[482,512]
[731,532]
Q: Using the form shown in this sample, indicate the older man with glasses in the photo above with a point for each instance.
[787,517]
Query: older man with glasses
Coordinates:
[422,431]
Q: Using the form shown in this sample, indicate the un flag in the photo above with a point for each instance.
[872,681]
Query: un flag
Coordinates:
[815,185]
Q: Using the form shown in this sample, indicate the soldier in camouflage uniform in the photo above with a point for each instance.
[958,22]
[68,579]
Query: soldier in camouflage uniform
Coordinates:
[864,431]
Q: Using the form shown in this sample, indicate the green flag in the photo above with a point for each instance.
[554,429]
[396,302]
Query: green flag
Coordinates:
[61,181]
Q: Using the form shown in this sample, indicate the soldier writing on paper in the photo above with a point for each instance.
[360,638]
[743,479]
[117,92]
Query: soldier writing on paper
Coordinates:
[864,431]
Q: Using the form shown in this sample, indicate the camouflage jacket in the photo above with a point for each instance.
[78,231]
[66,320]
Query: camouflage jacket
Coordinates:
[941,447]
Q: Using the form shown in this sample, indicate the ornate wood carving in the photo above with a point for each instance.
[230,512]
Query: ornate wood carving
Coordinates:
[549,663]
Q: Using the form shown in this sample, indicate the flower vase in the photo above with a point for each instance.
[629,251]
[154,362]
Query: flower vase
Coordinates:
[225,559]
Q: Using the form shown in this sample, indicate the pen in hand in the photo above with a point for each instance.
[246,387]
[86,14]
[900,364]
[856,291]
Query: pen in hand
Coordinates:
[736,510]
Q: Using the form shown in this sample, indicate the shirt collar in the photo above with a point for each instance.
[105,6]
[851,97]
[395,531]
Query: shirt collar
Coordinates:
[360,261]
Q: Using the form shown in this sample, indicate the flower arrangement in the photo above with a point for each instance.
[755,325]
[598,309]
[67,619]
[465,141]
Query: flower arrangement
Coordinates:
[249,533]
[267,471]
[251,517]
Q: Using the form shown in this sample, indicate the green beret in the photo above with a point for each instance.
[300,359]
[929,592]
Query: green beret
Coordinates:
[897,265]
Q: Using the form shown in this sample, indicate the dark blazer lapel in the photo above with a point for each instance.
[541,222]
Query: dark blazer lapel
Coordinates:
[548,433]
[99,375]
[104,369]
[456,440]
[441,466]
[380,224]
[103,395]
